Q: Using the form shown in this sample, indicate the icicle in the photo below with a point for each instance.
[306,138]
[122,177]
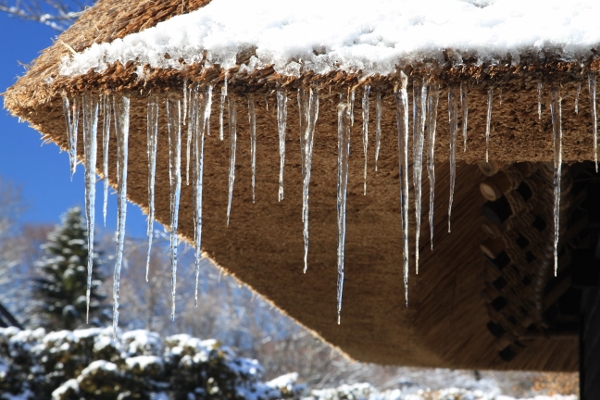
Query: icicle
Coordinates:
[252,124]
[208,109]
[90,132]
[419,114]
[187,116]
[152,137]
[300,119]
[222,106]
[352,98]
[174,132]
[308,100]
[114,106]
[453,121]
[402,123]
[121,106]
[106,106]
[555,110]
[344,122]
[71,111]
[432,105]
[232,149]
[540,86]
[488,124]
[200,102]
[67,112]
[197,101]
[592,89]
[577,98]
[185,102]
[464,104]
[365,115]
[500,97]
[377,126]
[282,126]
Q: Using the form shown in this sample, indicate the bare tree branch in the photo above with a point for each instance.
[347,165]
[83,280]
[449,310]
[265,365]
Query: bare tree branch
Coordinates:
[57,14]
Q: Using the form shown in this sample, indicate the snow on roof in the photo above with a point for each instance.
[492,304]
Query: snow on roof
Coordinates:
[373,37]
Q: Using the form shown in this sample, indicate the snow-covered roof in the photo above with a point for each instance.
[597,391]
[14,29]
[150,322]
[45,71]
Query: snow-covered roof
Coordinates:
[321,35]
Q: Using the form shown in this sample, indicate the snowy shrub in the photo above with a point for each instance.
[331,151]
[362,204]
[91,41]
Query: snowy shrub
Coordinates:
[90,364]
[364,391]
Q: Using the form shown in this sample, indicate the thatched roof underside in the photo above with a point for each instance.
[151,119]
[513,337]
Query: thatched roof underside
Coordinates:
[445,324]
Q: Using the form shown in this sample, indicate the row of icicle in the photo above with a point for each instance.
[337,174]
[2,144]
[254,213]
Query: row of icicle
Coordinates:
[193,111]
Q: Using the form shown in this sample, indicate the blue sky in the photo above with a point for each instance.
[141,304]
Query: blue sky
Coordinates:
[42,172]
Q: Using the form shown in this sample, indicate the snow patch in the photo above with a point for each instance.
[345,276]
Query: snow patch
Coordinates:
[144,362]
[69,386]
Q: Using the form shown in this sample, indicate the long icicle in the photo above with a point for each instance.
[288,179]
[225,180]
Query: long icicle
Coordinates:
[232,151]
[121,106]
[281,127]
[402,107]
[152,138]
[174,132]
[90,133]
[592,88]
[187,102]
[365,129]
[464,104]
[71,110]
[419,115]
[432,106]
[556,111]
[488,123]
[453,121]
[208,108]
[344,123]
[222,106]
[352,98]
[107,109]
[539,90]
[201,103]
[577,98]
[113,101]
[67,111]
[252,124]
[377,126]
[309,113]
[185,105]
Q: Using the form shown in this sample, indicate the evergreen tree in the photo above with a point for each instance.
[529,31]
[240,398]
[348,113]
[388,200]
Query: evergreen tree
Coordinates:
[60,290]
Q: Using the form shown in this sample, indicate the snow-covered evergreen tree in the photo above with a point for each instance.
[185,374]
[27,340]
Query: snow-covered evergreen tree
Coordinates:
[60,289]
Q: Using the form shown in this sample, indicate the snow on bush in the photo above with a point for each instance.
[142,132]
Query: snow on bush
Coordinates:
[90,364]
[364,391]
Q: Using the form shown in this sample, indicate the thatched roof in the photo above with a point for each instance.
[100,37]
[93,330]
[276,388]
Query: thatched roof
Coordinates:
[445,323]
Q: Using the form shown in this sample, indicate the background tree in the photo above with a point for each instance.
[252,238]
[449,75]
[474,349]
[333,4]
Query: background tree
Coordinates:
[60,289]
[15,242]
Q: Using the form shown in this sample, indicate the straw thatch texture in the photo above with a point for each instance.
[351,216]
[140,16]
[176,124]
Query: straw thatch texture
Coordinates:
[445,323]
